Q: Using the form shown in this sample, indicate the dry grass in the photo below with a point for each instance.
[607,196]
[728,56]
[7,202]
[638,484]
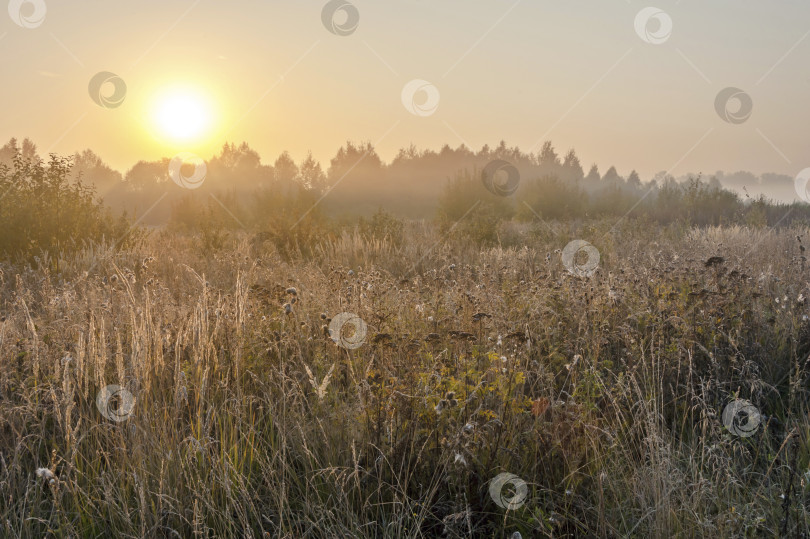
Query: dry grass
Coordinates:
[603,394]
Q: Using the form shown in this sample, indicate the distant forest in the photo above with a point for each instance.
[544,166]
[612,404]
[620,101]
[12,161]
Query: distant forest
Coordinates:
[422,184]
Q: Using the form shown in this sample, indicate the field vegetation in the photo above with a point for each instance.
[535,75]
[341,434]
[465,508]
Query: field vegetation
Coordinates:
[243,411]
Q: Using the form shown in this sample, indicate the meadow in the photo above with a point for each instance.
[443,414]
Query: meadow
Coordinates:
[244,413]
[458,269]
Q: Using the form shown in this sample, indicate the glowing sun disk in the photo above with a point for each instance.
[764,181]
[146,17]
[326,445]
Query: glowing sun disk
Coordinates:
[182,116]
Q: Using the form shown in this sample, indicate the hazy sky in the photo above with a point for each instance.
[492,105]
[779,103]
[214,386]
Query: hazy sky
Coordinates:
[269,72]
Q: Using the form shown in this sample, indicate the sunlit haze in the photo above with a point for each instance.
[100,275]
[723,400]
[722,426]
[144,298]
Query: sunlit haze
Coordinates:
[576,73]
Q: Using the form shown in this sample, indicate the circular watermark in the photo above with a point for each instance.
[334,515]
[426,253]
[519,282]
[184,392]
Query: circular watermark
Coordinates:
[653,25]
[187,170]
[115,403]
[733,105]
[340,17]
[101,82]
[501,178]
[741,418]
[348,330]
[27,13]
[801,184]
[581,269]
[520,491]
[428,94]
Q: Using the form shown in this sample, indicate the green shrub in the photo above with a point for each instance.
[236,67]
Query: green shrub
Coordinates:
[382,226]
[468,209]
[290,218]
[552,198]
[42,211]
[211,218]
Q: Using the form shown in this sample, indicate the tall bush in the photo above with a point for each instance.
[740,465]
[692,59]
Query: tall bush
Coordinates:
[43,211]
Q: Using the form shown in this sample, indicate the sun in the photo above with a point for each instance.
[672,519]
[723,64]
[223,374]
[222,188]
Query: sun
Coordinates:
[182,115]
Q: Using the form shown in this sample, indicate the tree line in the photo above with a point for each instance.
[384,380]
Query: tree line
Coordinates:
[296,203]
